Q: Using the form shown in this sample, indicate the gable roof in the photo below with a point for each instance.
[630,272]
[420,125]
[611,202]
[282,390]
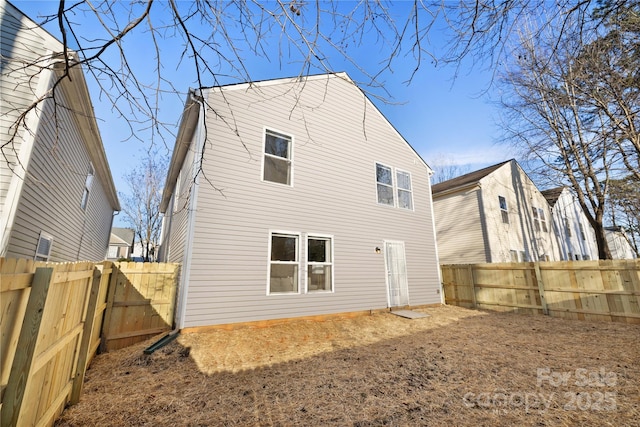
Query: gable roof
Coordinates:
[553,194]
[121,236]
[191,115]
[74,86]
[467,179]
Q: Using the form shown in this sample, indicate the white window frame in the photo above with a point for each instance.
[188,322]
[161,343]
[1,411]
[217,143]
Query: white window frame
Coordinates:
[395,190]
[41,256]
[536,218]
[309,264]
[87,187]
[543,220]
[392,186]
[265,130]
[504,213]
[583,235]
[299,239]
[398,189]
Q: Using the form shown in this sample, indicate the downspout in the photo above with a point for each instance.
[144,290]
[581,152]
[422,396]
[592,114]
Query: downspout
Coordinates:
[197,96]
[435,240]
[200,135]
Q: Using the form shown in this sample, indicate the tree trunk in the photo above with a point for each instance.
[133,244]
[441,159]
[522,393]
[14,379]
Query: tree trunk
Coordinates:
[601,241]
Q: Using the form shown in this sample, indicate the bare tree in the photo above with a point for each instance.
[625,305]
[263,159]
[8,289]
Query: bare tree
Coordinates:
[544,116]
[446,168]
[217,40]
[624,200]
[141,204]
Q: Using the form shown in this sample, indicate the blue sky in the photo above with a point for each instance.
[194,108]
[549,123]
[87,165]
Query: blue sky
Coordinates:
[440,118]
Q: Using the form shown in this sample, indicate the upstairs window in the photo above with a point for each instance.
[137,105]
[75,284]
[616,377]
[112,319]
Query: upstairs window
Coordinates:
[277,158]
[405,197]
[543,220]
[539,220]
[536,221]
[503,209]
[384,180]
[567,226]
[394,192]
[582,235]
[87,187]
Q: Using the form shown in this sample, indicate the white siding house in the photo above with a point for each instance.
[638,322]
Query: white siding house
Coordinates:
[495,214]
[573,232]
[619,245]
[57,196]
[295,197]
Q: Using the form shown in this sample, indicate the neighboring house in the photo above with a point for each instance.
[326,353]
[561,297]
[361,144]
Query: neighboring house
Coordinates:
[121,243]
[619,245]
[495,214]
[575,236]
[57,196]
[307,202]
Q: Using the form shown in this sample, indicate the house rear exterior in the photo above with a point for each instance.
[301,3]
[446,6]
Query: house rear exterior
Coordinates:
[295,197]
[57,196]
[495,214]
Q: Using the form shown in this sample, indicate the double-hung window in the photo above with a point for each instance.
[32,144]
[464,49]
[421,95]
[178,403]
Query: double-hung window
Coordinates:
[277,162]
[503,209]
[284,263]
[384,180]
[543,220]
[567,226]
[319,263]
[582,235]
[539,220]
[390,190]
[403,182]
[536,221]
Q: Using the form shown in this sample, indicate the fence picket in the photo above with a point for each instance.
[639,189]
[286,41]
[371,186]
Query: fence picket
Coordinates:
[593,290]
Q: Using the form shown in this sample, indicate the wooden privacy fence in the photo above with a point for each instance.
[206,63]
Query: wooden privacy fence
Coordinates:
[592,290]
[140,303]
[51,315]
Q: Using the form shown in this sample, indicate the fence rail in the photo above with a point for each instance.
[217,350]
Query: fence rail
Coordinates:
[593,290]
[51,318]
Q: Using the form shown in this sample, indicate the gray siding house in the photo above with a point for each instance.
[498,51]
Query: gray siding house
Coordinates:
[495,214]
[295,197]
[57,196]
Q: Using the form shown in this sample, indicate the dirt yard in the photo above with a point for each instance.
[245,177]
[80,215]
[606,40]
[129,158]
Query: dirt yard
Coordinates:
[457,367]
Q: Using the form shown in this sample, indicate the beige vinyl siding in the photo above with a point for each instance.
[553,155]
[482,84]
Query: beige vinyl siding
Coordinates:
[18,82]
[52,192]
[459,228]
[180,209]
[338,137]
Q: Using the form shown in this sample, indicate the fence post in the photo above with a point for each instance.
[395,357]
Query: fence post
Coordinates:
[111,294]
[538,275]
[472,280]
[22,362]
[85,343]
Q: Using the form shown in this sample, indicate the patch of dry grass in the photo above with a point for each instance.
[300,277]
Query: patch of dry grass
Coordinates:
[457,367]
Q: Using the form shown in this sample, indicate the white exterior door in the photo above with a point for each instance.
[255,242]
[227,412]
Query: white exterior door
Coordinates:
[396,266]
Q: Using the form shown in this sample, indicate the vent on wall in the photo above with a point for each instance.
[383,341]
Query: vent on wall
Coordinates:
[43,250]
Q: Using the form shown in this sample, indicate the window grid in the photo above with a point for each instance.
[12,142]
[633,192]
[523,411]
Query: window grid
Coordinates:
[277,164]
[393,187]
[503,209]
